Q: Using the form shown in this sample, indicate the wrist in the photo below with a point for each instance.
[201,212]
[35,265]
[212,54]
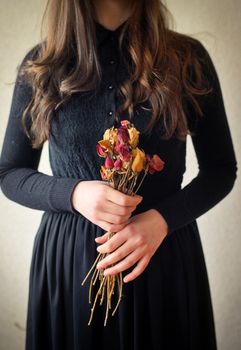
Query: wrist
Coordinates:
[75,195]
[163,223]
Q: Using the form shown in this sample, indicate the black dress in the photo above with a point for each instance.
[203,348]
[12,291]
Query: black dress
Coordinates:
[168,306]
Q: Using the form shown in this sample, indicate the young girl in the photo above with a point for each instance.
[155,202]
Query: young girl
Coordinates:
[101,62]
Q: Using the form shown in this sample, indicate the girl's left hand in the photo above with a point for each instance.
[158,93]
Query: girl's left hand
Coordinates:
[138,240]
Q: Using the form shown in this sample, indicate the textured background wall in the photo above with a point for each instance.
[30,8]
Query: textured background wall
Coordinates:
[217,24]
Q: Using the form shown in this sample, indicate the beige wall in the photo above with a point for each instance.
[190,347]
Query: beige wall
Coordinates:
[217,25]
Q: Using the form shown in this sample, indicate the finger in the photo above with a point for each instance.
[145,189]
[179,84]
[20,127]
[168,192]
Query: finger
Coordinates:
[108,226]
[102,238]
[117,255]
[114,219]
[121,198]
[124,264]
[114,242]
[116,209]
[139,268]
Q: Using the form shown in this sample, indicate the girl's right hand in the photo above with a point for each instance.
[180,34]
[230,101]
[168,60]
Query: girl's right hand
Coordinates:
[103,205]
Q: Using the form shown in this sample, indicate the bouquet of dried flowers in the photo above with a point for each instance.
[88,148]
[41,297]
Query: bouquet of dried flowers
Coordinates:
[124,162]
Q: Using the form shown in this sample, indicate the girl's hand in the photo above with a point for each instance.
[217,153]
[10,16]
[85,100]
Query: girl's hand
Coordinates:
[103,205]
[137,241]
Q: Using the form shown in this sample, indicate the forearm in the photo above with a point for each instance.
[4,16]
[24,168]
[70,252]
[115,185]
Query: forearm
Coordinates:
[37,190]
[207,189]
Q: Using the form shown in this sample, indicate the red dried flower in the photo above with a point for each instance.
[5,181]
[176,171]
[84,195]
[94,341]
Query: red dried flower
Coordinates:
[155,163]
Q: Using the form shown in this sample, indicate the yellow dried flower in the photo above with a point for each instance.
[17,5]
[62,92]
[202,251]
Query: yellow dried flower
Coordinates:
[134,137]
[139,160]
[111,135]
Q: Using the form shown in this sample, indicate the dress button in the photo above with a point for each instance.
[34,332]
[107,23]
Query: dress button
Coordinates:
[110,87]
[110,112]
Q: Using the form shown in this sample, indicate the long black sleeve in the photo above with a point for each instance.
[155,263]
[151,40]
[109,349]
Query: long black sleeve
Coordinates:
[215,155]
[20,179]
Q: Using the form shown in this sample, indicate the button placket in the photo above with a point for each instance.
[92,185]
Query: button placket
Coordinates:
[111,72]
[110,87]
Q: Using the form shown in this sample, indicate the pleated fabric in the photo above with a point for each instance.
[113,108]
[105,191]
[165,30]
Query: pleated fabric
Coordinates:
[167,307]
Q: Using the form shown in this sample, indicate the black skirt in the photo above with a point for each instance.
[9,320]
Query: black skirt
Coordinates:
[167,307]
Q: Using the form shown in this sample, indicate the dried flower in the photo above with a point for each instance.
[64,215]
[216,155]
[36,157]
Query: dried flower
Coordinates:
[123,135]
[106,174]
[138,163]
[134,137]
[110,135]
[109,162]
[125,122]
[155,163]
[118,164]
[124,152]
[103,147]
[101,152]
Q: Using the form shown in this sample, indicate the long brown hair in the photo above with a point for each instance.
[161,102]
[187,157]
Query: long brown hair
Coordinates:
[162,62]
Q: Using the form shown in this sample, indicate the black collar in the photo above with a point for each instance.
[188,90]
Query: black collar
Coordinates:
[102,33]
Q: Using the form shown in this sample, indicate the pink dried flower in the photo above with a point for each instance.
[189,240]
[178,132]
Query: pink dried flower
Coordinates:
[109,163]
[123,135]
[100,151]
[118,164]
[125,122]
[124,152]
